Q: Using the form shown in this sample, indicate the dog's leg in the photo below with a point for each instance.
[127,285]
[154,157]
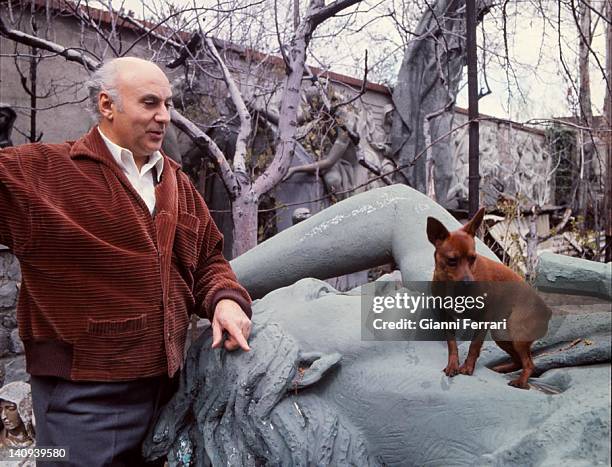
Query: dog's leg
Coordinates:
[452,368]
[523,349]
[470,362]
[516,360]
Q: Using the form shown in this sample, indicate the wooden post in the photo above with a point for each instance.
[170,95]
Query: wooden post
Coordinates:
[608,137]
[474,175]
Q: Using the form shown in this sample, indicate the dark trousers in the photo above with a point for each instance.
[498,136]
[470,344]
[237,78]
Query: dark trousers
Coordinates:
[102,424]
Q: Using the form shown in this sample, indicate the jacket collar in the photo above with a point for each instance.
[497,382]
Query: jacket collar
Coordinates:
[92,146]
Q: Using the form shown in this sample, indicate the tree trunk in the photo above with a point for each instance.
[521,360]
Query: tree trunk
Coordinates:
[295,56]
[245,212]
[244,215]
[33,93]
[586,114]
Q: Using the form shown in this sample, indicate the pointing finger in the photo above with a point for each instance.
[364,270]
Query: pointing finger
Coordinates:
[236,333]
[217,334]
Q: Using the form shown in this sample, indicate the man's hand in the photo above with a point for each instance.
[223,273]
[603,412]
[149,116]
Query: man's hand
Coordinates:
[230,317]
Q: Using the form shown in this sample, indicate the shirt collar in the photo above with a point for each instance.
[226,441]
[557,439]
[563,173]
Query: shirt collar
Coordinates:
[121,154]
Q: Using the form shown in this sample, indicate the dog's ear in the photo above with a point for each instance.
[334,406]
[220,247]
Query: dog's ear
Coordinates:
[472,226]
[436,232]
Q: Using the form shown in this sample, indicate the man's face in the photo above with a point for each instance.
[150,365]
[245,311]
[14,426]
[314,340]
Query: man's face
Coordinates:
[9,415]
[139,120]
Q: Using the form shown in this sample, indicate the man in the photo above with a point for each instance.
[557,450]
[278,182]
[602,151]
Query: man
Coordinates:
[117,249]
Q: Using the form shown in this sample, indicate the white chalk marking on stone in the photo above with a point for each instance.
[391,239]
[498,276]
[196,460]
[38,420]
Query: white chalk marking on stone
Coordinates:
[366,209]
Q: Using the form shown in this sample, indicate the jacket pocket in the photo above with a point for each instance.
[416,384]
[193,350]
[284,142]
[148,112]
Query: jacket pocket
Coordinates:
[186,239]
[116,327]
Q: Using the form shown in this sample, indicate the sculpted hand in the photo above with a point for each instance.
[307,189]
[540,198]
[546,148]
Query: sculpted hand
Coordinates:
[229,317]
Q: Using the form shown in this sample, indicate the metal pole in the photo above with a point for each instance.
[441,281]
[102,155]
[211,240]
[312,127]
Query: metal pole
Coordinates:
[608,138]
[474,175]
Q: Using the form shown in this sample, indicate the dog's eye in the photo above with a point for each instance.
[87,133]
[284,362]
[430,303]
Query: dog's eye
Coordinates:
[472,259]
[452,261]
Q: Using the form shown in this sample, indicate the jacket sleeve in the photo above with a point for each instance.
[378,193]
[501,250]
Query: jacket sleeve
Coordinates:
[214,278]
[15,222]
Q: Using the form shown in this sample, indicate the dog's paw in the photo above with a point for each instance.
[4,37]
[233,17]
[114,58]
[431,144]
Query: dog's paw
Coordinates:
[506,367]
[466,369]
[452,369]
[517,383]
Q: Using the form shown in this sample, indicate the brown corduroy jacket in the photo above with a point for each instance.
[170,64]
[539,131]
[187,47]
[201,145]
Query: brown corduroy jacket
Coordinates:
[107,289]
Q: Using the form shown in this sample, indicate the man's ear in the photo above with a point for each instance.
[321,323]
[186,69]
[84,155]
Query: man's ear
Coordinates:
[105,105]
[436,232]
[472,226]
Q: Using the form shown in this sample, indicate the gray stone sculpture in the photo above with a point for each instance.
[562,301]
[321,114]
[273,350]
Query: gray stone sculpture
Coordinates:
[425,94]
[564,274]
[313,392]
[299,215]
[16,415]
[7,119]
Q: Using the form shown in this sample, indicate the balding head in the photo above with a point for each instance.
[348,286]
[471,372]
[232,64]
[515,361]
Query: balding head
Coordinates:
[133,99]
[109,76]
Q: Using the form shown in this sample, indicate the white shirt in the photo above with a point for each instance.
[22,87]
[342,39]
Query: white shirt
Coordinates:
[141,181]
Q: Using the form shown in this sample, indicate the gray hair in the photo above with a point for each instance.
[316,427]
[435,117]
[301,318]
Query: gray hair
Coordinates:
[103,79]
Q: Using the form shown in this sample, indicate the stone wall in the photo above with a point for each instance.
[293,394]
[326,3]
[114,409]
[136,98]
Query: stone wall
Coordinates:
[11,347]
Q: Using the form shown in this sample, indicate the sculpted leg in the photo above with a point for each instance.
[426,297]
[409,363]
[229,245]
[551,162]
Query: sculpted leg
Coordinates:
[361,232]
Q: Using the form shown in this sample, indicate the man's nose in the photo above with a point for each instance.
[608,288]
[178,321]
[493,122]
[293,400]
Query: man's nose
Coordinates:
[163,116]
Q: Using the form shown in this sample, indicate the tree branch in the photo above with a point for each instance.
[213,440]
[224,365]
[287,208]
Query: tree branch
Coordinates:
[77,11]
[290,100]
[328,11]
[243,112]
[278,38]
[369,166]
[70,54]
[210,149]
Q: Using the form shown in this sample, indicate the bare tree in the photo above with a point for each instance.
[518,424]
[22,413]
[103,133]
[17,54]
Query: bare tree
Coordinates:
[244,187]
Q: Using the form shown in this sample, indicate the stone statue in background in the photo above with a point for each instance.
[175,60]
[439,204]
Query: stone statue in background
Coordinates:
[299,215]
[425,94]
[358,153]
[16,416]
[7,119]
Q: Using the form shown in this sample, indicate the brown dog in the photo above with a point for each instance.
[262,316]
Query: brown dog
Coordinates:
[456,260]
